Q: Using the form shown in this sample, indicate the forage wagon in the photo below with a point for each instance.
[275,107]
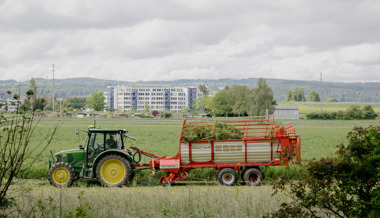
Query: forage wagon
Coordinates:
[231,147]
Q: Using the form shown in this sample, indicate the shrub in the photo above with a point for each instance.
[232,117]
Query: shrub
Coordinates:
[347,185]
[353,112]
[340,115]
[368,112]
[312,115]
[167,114]
[155,113]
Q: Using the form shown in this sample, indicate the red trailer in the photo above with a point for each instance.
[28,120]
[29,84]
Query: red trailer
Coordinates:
[229,146]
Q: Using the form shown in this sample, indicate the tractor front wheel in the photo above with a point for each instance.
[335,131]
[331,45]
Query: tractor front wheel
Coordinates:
[113,171]
[61,174]
[227,176]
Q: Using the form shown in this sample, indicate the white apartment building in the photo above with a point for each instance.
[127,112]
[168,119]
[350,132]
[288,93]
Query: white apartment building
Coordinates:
[10,105]
[158,98]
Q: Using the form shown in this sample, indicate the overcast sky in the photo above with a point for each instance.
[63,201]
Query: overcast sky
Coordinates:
[168,40]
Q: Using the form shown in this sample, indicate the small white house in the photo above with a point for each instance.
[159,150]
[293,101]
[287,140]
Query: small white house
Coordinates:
[286,112]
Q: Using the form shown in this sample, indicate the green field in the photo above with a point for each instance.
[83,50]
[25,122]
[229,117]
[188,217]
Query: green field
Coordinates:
[198,195]
[319,138]
[308,107]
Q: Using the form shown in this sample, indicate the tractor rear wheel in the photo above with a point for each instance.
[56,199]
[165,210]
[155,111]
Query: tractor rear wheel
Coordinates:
[253,177]
[61,174]
[113,171]
[227,176]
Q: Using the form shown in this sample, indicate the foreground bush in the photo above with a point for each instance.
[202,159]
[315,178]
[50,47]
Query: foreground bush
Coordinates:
[345,186]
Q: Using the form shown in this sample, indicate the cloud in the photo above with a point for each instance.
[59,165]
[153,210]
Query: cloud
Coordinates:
[162,40]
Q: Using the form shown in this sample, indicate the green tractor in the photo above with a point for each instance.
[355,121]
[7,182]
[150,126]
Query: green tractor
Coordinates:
[105,158]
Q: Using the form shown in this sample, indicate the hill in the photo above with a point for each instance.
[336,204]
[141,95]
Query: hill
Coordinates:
[343,92]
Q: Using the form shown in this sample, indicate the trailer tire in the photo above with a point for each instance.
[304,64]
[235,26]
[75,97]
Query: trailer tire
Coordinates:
[227,176]
[253,177]
[167,184]
[113,171]
[61,174]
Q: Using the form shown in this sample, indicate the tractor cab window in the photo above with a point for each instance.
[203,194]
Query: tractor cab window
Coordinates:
[100,142]
[95,147]
[111,141]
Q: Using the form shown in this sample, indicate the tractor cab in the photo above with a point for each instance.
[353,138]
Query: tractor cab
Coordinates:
[101,140]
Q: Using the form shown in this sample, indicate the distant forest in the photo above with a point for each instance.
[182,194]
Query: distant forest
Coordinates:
[75,87]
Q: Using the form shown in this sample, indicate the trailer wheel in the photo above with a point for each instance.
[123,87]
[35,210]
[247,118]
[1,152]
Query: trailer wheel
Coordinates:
[227,176]
[113,171]
[61,174]
[253,177]
[167,184]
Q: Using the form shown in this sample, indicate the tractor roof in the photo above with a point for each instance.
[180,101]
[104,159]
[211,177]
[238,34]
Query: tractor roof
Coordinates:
[107,130]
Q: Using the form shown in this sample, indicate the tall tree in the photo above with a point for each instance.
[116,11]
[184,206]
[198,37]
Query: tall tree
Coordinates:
[49,104]
[96,101]
[202,103]
[147,108]
[203,89]
[313,96]
[240,97]
[260,99]
[75,103]
[33,94]
[298,94]
[289,95]
[222,102]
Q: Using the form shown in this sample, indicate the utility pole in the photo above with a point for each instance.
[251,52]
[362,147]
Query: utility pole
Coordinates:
[19,92]
[53,89]
[320,93]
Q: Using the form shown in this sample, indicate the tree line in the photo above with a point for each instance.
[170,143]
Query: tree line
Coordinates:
[352,113]
[238,100]
[35,103]
[84,87]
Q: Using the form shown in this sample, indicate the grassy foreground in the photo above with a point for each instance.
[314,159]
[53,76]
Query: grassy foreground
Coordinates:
[178,201]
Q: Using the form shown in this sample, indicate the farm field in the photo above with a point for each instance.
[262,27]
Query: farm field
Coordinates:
[199,195]
[319,138]
[308,107]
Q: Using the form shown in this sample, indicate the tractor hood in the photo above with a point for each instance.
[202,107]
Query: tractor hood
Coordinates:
[70,151]
[74,157]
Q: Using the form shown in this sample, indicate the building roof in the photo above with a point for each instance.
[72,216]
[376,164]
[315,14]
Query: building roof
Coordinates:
[286,107]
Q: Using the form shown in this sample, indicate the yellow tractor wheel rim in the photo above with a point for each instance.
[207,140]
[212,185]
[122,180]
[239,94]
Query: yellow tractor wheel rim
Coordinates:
[112,171]
[61,175]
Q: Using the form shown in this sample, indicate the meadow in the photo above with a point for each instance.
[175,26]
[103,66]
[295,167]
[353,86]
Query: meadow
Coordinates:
[319,138]
[309,107]
[199,195]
